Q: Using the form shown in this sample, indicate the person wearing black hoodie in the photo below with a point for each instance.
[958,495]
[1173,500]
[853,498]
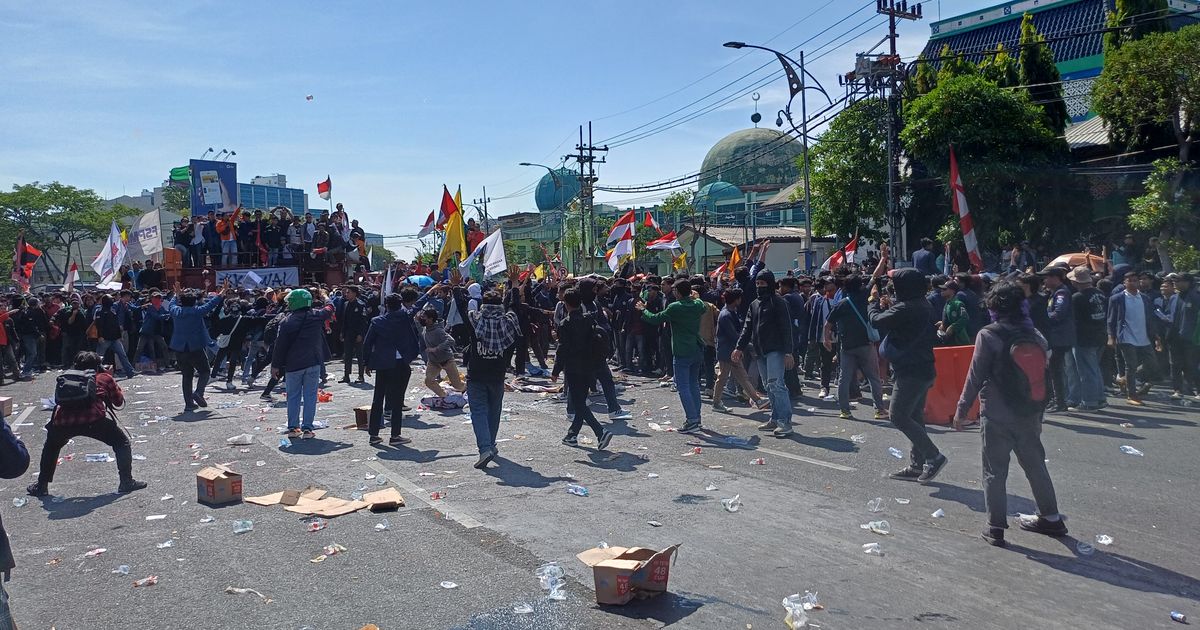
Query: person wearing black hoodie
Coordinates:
[907,327]
[768,327]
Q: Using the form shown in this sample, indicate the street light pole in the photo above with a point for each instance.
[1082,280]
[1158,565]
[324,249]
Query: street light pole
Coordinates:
[561,208]
[797,78]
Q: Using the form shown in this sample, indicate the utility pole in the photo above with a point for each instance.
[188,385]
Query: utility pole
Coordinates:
[585,156]
[483,203]
[894,10]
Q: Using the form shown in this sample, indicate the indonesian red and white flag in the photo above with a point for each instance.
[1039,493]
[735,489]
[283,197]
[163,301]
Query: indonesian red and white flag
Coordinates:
[72,278]
[841,256]
[626,226]
[666,241]
[651,223]
[716,273]
[429,226]
[623,248]
[325,188]
[964,215]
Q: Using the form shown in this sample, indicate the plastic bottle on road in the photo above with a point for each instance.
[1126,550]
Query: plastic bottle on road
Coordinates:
[19,501]
[872,549]
[732,504]
[895,452]
[1125,448]
[241,527]
[875,505]
[879,527]
[577,490]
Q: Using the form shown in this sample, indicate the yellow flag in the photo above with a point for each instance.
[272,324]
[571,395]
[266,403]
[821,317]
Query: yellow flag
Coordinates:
[456,239]
[539,272]
[680,262]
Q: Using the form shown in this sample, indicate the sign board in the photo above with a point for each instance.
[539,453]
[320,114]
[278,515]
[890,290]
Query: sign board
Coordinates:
[214,186]
[267,277]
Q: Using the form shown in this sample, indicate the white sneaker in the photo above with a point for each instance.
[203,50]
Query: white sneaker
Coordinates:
[620,415]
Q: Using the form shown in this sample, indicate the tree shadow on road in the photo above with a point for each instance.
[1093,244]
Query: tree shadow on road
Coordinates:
[973,498]
[1115,569]
[514,475]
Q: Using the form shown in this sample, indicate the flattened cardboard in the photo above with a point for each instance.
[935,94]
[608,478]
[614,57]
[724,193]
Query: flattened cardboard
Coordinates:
[622,573]
[384,500]
[278,498]
[327,507]
[218,485]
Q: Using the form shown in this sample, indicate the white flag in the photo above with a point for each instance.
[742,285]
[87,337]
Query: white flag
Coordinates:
[108,262]
[251,280]
[387,284]
[490,251]
[145,236]
[371,258]
[72,278]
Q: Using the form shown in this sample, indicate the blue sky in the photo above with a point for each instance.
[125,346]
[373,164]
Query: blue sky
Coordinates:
[406,95]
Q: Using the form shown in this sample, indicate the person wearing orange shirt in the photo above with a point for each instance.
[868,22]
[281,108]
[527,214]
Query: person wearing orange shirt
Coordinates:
[227,230]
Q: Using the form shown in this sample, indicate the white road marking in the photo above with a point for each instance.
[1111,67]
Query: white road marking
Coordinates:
[24,414]
[416,493]
[801,458]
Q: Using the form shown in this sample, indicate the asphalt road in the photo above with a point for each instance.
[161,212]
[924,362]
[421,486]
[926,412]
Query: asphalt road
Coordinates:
[798,528]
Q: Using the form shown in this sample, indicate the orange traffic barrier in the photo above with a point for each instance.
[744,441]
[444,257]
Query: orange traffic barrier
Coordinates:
[952,364]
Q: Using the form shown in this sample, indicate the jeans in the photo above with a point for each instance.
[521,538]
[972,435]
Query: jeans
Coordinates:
[861,358]
[1024,438]
[185,255]
[390,385]
[1137,357]
[1084,383]
[908,415]
[687,381]
[770,366]
[229,253]
[301,388]
[485,398]
[1058,375]
[577,386]
[118,354]
[193,364]
[29,344]
[6,620]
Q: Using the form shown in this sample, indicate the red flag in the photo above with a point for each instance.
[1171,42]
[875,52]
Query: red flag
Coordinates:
[25,256]
[447,209]
[651,223]
[964,215]
[666,241]
[624,226]
[325,188]
[427,227]
[841,256]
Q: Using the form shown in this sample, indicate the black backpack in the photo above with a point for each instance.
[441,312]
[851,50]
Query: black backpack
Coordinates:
[1023,373]
[75,389]
[598,343]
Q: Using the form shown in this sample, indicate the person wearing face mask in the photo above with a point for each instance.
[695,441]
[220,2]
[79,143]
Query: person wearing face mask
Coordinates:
[820,304]
[154,316]
[768,328]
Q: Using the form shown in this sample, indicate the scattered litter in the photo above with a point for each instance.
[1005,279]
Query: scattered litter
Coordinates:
[368,476]
[719,467]
[156,517]
[284,442]
[260,463]
[582,440]
[140,458]
[895,452]
[207,519]
[166,545]
[757,462]
[577,490]
[872,549]
[449,585]
[437,496]
[811,410]
[315,524]
[902,501]
[796,617]
[328,551]
[940,513]
[19,501]
[233,590]
[696,450]
[95,552]
[426,474]
[859,438]
[875,505]
[654,523]
[241,527]
[1125,448]
[102,458]
[167,497]
[1084,549]
[711,487]
[652,476]
[1178,617]
[737,441]
[883,528]
[146,581]
[1104,539]
[244,439]
[732,504]
[1127,425]
[383,525]
[121,570]
[523,609]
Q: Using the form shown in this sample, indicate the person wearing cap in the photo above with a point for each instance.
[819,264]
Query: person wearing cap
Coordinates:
[952,329]
[1060,331]
[300,353]
[1085,385]
[1185,377]
[1133,330]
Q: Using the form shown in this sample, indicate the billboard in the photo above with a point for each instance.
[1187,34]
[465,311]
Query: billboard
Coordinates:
[214,186]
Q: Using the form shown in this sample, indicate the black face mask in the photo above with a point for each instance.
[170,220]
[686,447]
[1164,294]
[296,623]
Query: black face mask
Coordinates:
[764,292]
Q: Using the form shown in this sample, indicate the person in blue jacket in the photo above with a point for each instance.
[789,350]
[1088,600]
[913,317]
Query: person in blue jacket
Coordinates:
[300,353]
[388,350]
[190,341]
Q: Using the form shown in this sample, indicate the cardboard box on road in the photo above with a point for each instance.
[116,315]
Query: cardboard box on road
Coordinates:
[6,406]
[218,485]
[362,417]
[622,574]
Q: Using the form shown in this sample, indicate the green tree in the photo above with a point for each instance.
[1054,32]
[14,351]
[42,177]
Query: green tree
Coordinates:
[925,78]
[59,217]
[382,256]
[1003,147]
[1001,68]
[678,202]
[954,65]
[1170,213]
[849,172]
[1040,76]
[177,199]
[1133,20]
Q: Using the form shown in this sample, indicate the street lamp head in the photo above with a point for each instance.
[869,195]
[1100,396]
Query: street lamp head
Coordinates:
[734,44]
[524,164]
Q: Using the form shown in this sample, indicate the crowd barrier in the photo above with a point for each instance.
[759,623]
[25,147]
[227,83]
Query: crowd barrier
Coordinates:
[952,364]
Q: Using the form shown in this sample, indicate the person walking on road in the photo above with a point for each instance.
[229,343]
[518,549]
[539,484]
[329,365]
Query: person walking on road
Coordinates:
[14,461]
[687,349]
[581,343]
[856,347]
[492,337]
[1008,372]
[388,350]
[1060,332]
[300,353]
[190,342]
[729,328]
[1132,330]
[768,329]
[906,325]
[352,326]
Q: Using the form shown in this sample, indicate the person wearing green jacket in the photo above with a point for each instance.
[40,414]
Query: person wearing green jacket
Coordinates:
[952,330]
[686,347]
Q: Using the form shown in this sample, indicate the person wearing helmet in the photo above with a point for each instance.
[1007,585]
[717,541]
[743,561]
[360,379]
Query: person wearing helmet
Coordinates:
[300,352]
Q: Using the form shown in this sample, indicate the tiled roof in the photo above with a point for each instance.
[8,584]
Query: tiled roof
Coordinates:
[1084,15]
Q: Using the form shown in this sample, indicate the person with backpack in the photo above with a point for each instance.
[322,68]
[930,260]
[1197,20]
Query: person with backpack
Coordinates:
[907,327]
[1009,374]
[856,346]
[582,346]
[686,348]
[85,399]
[493,336]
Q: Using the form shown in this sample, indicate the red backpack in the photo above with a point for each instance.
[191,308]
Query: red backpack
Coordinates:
[1023,372]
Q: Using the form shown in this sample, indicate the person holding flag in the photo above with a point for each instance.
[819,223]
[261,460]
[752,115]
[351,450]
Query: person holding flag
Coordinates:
[25,256]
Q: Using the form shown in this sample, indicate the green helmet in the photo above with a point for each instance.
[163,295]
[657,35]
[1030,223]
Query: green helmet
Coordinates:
[298,299]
